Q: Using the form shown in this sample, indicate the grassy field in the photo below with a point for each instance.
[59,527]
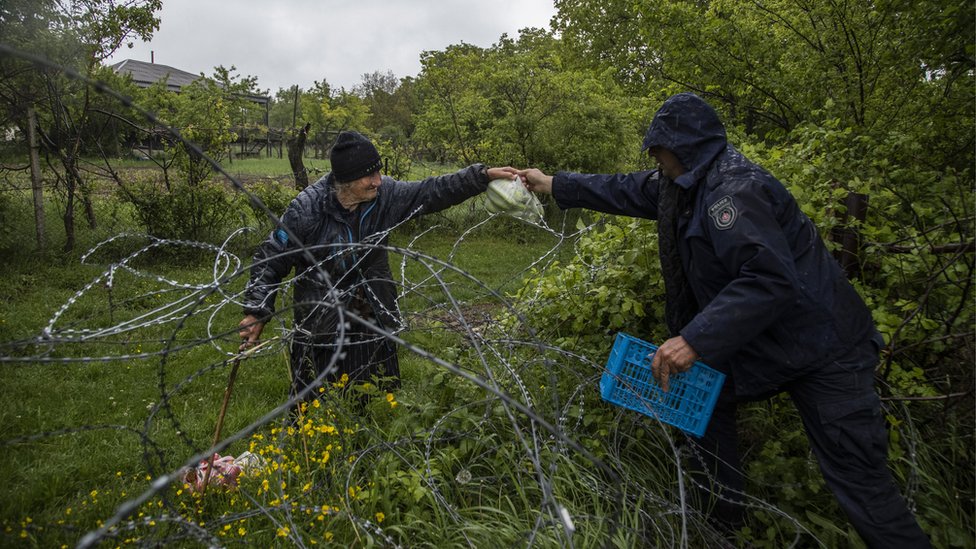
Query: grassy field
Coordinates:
[113,373]
[85,433]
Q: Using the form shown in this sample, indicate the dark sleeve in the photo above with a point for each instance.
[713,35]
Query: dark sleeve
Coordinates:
[272,261]
[765,283]
[632,194]
[412,198]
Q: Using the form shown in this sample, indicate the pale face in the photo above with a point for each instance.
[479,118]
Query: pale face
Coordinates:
[359,190]
[667,162]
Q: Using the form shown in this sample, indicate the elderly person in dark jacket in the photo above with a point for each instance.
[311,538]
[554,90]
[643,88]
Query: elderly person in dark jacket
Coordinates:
[333,236]
[752,290]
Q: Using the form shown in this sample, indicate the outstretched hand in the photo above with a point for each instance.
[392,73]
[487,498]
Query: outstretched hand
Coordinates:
[505,172]
[536,181]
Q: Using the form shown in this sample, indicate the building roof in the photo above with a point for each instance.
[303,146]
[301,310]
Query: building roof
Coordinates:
[146,74]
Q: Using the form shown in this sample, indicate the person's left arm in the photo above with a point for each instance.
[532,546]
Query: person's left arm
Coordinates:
[438,193]
[750,243]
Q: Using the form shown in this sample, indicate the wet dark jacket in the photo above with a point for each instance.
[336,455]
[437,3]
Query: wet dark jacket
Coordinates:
[357,276]
[773,303]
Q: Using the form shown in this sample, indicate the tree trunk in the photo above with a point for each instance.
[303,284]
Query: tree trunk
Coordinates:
[36,183]
[69,213]
[849,254]
[296,147]
[86,199]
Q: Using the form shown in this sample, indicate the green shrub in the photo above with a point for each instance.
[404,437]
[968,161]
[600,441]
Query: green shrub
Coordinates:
[274,196]
[201,212]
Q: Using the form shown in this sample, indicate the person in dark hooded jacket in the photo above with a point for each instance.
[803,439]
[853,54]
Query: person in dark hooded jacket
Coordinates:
[333,235]
[752,290]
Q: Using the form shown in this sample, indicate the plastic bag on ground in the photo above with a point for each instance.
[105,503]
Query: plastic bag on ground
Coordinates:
[225,471]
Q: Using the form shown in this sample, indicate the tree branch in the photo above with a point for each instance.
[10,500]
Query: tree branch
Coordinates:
[953,248]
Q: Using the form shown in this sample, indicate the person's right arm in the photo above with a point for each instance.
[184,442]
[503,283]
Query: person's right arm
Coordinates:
[632,194]
[272,261]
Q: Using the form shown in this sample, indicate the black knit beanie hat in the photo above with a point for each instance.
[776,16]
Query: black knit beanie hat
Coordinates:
[353,156]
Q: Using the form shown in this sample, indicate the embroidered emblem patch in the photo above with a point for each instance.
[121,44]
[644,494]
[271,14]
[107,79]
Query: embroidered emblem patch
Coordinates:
[281,236]
[723,213]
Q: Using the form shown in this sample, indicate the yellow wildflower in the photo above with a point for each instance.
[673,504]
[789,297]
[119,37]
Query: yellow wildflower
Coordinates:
[379,517]
[283,532]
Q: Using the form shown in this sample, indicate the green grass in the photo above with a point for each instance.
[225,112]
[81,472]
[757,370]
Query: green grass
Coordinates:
[81,437]
[78,423]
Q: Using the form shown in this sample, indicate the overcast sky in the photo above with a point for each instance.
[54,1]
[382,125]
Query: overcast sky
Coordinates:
[287,42]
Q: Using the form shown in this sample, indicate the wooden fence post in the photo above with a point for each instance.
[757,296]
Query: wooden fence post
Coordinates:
[36,183]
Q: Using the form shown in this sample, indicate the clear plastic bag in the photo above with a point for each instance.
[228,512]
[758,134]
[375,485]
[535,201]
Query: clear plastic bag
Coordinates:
[510,197]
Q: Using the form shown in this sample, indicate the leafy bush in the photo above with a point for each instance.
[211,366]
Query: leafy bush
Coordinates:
[921,298]
[274,196]
[613,284]
[200,212]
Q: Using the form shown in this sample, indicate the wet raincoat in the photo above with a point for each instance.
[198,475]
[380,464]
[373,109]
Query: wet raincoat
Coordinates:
[344,272]
[772,302]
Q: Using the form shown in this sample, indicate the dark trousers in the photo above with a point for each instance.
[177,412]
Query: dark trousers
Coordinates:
[362,355]
[841,413]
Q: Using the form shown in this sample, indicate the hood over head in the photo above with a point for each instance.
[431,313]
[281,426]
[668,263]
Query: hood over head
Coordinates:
[690,128]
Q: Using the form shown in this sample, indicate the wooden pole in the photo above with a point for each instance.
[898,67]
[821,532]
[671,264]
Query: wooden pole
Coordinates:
[36,183]
[223,408]
[220,422]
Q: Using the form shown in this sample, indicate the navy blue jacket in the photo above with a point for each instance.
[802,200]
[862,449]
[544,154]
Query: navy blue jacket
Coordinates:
[773,303]
[342,267]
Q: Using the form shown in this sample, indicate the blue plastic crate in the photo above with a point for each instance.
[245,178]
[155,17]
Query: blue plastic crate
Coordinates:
[628,382]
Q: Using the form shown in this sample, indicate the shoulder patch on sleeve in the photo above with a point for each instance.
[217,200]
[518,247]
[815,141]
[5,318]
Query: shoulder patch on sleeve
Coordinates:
[281,236]
[723,213]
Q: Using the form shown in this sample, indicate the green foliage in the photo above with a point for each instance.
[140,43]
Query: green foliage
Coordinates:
[396,157]
[773,63]
[202,212]
[391,103]
[72,119]
[921,297]
[344,111]
[518,103]
[612,285]
[833,99]
[275,196]
[203,114]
